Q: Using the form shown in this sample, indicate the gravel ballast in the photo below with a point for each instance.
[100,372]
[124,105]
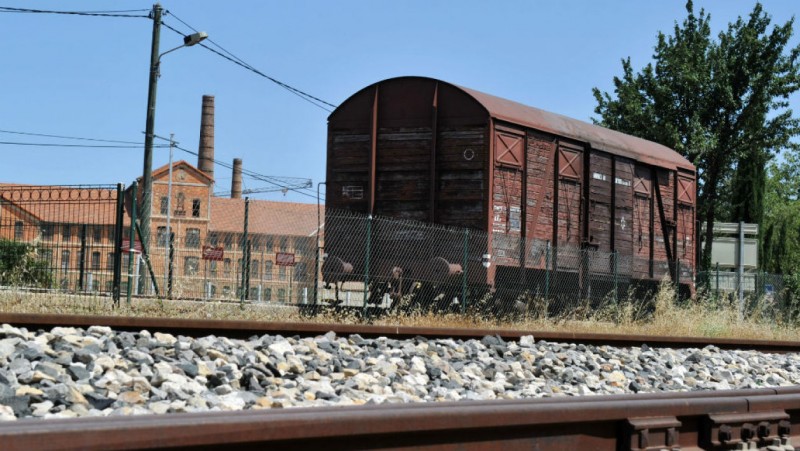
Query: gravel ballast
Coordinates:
[72,372]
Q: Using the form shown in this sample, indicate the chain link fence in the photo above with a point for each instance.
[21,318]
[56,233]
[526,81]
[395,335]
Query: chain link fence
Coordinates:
[222,266]
[262,256]
[77,240]
[59,238]
[388,264]
[750,291]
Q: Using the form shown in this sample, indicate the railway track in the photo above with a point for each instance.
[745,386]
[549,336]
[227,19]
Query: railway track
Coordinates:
[743,419]
[717,420]
[243,329]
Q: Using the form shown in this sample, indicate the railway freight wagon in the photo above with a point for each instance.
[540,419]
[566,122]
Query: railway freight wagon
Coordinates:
[556,204]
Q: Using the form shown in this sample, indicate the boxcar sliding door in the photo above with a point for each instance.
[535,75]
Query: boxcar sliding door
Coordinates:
[642,226]
[567,229]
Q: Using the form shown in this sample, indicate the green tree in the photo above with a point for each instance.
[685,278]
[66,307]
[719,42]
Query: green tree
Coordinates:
[21,265]
[721,102]
[780,243]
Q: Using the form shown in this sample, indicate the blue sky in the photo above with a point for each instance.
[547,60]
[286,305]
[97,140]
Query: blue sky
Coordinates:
[87,76]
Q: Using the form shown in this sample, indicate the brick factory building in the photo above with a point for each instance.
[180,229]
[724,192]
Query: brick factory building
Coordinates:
[74,230]
[199,219]
[62,231]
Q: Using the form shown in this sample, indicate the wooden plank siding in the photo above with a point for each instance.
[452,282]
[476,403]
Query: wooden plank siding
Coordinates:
[642,221]
[348,170]
[686,223]
[507,215]
[600,220]
[461,185]
[540,167]
[664,233]
[569,206]
[421,149]
[507,195]
[402,176]
[623,214]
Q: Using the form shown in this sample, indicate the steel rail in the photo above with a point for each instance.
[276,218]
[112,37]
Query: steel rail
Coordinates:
[243,329]
[694,420]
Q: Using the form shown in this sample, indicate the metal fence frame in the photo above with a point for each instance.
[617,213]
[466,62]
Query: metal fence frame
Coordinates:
[395,264]
[71,233]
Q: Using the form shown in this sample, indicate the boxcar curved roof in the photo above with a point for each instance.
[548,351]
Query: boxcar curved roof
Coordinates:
[598,137]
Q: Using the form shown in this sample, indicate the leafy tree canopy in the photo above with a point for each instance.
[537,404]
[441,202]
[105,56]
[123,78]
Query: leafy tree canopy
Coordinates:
[780,244]
[722,102]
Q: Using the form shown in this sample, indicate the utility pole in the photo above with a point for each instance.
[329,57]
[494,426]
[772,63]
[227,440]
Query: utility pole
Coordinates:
[146,205]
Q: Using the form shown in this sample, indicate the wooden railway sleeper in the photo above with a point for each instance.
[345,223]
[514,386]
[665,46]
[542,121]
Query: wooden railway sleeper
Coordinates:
[768,431]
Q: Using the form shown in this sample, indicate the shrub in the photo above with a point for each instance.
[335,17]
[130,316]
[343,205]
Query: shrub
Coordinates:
[792,296]
[21,266]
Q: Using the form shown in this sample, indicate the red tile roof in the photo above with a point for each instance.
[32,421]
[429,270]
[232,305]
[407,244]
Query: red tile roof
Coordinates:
[265,217]
[97,205]
[63,204]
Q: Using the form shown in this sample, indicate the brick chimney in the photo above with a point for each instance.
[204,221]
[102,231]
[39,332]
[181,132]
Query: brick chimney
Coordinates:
[236,181]
[205,158]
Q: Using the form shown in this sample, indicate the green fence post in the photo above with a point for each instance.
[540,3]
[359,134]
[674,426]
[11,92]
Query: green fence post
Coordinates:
[243,247]
[248,269]
[317,257]
[146,258]
[547,271]
[82,261]
[171,268]
[717,281]
[678,279]
[366,264]
[464,274]
[132,240]
[118,231]
[615,256]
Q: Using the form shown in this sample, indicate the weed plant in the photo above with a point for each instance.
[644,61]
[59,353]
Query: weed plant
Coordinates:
[660,314]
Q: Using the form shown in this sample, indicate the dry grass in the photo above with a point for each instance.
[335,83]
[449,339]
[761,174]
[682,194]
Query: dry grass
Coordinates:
[661,316]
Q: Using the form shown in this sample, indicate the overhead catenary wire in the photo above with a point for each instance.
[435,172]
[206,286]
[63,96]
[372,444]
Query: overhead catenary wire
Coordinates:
[235,59]
[276,181]
[69,137]
[117,13]
[281,182]
[207,39]
[95,146]
[257,176]
[316,101]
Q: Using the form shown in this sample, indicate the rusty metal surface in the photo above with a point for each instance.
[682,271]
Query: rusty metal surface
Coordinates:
[231,328]
[717,420]
[687,420]
[600,138]
[420,149]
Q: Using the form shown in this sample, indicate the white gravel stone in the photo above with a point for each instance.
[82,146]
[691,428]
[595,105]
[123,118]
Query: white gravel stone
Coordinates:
[70,372]
[281,348]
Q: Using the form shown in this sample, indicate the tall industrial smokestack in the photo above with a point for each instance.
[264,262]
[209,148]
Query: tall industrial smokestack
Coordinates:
[205,159]
[236,182]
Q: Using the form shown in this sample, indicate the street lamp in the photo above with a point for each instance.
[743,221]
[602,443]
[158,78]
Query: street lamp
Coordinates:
[188,41]
[155,61]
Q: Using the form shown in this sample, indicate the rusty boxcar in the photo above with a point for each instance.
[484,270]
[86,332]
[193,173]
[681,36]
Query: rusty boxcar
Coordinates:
[550,192]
